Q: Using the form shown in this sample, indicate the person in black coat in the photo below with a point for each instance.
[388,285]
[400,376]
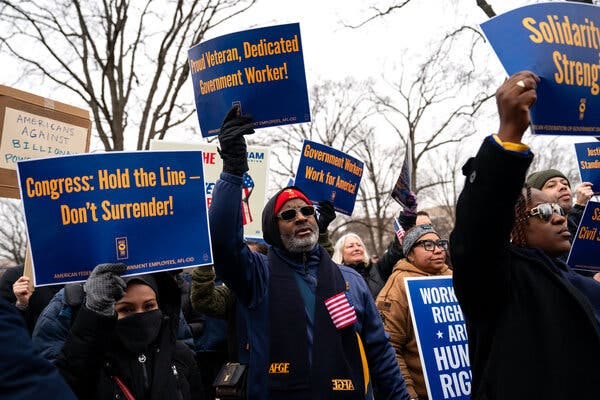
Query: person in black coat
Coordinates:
[24,375]
[533,324]
[123,341]
[14,287]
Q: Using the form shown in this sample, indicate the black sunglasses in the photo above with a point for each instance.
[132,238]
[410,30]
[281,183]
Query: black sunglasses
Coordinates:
[290,214]
[545,210]
[429,245]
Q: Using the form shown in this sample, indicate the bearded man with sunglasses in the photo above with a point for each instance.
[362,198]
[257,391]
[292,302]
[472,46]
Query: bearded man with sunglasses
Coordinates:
[307,328]
[533,324]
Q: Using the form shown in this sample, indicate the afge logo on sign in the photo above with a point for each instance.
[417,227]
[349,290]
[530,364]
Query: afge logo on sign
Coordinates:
[122,251]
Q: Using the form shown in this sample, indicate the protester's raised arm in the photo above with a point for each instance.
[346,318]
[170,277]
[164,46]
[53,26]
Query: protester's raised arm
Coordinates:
[234,263]
[485,210]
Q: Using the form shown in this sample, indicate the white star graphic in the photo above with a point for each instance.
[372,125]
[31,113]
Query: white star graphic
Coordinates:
[439,334]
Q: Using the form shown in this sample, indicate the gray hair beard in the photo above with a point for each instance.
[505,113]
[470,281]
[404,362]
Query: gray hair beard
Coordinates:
[300,245]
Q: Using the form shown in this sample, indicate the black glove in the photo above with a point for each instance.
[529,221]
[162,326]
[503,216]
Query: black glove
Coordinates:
[104,287]
[232,142]
[326,215]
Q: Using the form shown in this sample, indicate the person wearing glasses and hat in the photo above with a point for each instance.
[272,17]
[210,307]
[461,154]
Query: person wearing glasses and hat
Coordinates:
[309,328]
[425,256]
[533,324]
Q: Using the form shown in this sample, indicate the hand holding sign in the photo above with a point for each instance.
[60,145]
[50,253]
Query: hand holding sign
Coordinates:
[326,215]
[22,291]
[104,287]
[514,101]
[233,145]
[583,193]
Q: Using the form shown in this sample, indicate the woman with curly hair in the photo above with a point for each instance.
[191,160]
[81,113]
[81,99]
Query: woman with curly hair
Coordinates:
[533,324]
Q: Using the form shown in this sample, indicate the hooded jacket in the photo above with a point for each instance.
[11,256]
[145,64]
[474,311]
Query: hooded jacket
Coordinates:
[54,323]
[247,274]
[91,356]
[392,304]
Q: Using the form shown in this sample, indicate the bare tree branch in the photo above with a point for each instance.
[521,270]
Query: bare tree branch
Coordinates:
[126,60]
[379,13]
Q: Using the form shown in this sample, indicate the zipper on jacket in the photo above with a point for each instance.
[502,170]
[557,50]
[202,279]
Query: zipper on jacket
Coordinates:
[176,375]
[142,360]
[304,263]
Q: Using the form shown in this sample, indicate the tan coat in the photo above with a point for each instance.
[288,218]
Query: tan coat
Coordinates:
[397,321]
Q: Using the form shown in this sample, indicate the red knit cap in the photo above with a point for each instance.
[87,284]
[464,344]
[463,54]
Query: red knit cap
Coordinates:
[289,194]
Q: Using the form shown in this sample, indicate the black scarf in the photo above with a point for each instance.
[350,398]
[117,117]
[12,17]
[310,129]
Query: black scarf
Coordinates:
[336,361]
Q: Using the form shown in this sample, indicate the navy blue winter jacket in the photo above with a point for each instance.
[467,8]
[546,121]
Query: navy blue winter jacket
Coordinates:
[247,274]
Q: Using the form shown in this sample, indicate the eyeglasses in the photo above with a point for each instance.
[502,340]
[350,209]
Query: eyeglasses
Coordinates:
[290,214]
[545,210]
[429,245]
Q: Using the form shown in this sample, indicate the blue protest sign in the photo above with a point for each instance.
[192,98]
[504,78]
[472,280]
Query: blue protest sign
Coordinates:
[325,173]
[261,70]
[588,160]
[559,42]
[145,209]
[441,337]
[585,250]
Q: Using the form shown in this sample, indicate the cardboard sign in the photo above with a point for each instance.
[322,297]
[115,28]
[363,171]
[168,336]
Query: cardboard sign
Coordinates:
[588,161]
[254,190]
[560,43]
[144,209]
[261,70]
[35,127]
[441,337]
[325,173]
[585,250]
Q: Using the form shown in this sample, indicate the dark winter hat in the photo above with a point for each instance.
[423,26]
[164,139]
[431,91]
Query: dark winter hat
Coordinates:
[413,235]
[271,234]
[144,279]
[289,194]
[539,178]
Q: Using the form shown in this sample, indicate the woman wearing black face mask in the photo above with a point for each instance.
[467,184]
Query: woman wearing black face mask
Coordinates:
[123,342]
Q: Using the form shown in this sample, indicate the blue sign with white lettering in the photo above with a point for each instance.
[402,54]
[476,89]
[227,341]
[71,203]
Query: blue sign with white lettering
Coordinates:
[261,70]
[144,209]
[585,250]
[441,337]
[559,42]
[588,160]
[325,173]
